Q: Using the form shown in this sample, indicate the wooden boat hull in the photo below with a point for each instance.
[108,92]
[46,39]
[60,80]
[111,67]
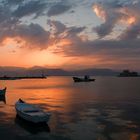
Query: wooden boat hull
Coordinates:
[32,117]
[76,79]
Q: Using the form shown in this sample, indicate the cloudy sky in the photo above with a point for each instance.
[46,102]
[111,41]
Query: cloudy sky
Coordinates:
[70,34]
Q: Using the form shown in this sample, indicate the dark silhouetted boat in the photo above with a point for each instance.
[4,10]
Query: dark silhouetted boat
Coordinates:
[85,79]
[31,113]
[127,73]
[2,92]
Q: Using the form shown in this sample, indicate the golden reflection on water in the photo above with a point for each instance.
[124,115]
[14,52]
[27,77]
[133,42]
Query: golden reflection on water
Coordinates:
[69,103]
[134,136]
[52,94]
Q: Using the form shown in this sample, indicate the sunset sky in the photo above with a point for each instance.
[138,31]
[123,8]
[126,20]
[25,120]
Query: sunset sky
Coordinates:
[70,34]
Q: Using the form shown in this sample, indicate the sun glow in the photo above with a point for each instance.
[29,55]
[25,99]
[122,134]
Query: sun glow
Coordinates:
[129,17]
[63,42]
[16,41]
[131,20]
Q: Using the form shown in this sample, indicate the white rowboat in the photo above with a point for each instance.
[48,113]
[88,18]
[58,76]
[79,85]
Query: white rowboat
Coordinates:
[31,112]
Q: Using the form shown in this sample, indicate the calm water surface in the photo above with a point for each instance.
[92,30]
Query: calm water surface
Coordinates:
[107,109]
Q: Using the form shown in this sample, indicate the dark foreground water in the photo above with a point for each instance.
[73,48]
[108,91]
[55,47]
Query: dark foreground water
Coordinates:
[107,109]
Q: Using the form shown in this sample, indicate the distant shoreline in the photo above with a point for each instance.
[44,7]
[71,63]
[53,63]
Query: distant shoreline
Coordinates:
[18,78]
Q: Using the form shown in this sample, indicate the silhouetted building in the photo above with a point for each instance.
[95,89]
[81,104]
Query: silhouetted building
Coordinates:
[127,73]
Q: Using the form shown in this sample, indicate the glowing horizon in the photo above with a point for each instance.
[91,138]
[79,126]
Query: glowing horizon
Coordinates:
[70,35]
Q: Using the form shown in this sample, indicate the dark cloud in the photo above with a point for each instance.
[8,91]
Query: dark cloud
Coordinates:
[110,53]
[105,28]
[33,34]
[131,33]
[107,10]
[60,31]
[32,7]
[86,47]
[4,14]
[116,11]
[58,9]
[60,28]
[76,30]
[104,48]
[56,26]
[13,2]
[7,22]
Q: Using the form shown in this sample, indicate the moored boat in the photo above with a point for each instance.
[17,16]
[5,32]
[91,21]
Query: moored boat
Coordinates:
[31,113]
[85,79]
[2,91]
[127,73]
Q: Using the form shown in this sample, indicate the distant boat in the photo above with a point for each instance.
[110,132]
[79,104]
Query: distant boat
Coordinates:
[2,92]
[127,73]
[85,79]
[31,112]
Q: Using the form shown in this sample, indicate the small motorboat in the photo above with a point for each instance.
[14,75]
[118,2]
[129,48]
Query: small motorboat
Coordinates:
[2,92]
[31,113]
[85,79]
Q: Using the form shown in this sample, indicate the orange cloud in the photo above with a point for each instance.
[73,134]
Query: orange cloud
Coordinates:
[99,11]
[13,42]
[64,42]
[131,20]
[127,16]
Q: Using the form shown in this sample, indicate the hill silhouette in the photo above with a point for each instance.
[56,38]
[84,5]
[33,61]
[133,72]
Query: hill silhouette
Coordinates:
[37,71]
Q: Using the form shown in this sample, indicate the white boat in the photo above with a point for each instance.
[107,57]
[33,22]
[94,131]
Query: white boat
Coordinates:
[31,113]
[2,92]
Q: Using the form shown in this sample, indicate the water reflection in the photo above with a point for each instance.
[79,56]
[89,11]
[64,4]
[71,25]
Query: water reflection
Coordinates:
[31,127]
[108,109]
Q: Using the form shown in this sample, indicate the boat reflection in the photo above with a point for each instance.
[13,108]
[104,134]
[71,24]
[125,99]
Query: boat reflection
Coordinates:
[31,127]
[3,98]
